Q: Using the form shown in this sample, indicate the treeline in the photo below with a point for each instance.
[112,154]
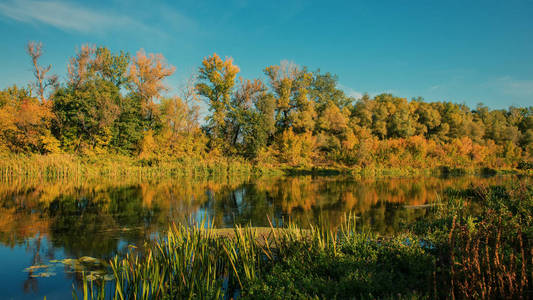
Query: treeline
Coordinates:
[117,103]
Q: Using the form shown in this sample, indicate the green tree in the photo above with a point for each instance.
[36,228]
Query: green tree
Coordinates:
[324,89]
[252,117]
[86,114]
[112,67]
[128,128]
[91,112]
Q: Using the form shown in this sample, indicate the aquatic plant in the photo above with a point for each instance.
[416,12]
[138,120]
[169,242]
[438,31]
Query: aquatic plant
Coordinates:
[457,255]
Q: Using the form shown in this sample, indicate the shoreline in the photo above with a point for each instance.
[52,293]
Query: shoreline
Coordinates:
[68,166]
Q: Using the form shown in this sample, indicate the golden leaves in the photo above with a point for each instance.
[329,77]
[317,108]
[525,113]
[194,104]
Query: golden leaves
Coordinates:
[79,66]
[217,78]
[147,73]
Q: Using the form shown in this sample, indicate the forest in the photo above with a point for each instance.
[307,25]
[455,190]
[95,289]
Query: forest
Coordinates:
[120,104]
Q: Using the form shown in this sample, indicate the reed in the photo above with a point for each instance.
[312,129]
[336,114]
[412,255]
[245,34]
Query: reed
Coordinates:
[70,166]
[197,262]
[460,255]
[490,255]
[67,166]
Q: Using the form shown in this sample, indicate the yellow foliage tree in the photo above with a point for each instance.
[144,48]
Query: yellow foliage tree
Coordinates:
[217,80]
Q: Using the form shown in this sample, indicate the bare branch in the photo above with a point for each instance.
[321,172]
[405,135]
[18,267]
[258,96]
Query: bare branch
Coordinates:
[42,82]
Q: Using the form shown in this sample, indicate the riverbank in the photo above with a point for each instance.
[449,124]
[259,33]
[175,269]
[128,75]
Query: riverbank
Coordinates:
[457,254]
[64,166]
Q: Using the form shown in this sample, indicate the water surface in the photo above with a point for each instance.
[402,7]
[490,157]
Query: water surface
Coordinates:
[42,223]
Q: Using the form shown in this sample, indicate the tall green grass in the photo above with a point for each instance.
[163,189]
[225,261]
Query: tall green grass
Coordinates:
[478,246]
[199,263]
[67,166]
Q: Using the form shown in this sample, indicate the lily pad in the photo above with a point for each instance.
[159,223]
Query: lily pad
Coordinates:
[68,261]
[37,267]
[88,259]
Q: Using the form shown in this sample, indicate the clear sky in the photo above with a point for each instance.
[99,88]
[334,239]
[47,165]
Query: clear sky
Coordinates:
[461,51]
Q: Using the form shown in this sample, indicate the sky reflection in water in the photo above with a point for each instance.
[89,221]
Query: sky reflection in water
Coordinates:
[42,223]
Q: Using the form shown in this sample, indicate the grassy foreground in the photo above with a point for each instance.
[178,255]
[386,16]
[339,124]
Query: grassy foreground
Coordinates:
[478,245]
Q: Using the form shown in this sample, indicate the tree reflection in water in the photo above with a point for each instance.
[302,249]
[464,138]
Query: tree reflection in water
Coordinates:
[73,216]
[102,219]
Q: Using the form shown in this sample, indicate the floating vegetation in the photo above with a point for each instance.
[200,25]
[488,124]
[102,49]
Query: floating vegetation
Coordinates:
[40,271]
[33,268]
[99,275]
[90,260]
[95,268]
[43,274]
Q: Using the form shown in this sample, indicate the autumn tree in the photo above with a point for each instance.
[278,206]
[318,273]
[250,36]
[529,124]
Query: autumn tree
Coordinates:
[91,61]
[180,134]
[216,83]
[147,74]
[111,102]
[332,126]
[454,120]
[25,123]
[290,85]
[333,111]
[80,66]
[177,115]
[429,118]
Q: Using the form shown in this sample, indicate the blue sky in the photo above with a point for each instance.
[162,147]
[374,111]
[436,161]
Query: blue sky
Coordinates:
[460,51]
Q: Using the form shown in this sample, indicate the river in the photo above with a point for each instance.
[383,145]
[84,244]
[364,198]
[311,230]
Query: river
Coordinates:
[44,224]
